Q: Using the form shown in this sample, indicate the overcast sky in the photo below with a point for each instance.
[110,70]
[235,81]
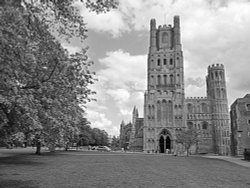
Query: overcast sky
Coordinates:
[212,31]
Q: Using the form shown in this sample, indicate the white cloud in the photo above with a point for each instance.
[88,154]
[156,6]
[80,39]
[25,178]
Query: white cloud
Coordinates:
[121,96]
[99,120]
[110,22]
[121,85]
[124,71]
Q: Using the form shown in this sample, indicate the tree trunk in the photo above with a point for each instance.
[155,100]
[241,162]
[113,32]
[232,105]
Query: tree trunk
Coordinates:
[187,152]
[52,148]
[38,148]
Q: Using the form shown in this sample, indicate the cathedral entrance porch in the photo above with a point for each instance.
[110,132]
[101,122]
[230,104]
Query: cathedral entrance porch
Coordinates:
[165,142]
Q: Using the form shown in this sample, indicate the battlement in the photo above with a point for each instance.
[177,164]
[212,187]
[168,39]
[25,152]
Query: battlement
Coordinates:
[215,67]
[195,98]
[163,27]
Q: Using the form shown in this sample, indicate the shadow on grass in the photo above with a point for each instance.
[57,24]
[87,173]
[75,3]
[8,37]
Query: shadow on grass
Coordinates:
[23,159]
[18,184]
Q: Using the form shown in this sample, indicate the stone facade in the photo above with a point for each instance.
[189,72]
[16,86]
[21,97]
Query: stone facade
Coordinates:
[167,111]
[240,125]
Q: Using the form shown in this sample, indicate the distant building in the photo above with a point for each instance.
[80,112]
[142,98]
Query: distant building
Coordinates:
[167,111]
[240,125]
[125,131]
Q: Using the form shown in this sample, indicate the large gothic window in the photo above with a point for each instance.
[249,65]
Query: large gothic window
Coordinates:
[164,37]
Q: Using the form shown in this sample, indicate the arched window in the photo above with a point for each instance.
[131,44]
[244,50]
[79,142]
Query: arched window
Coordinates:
[159,62]
[204,125]
[165,79]
[178,79]
[204,108]
[171,61]
[152,79]
[177,62]
[164,110]
[169,111]
[190,124]
[158,111]
[212,75]
[216,74]
[221,75]
[223,93]
[218,93]
[153,111]
[164,37]
[190,108]
[149,110]
[159,80]
[171,79]
[164,61]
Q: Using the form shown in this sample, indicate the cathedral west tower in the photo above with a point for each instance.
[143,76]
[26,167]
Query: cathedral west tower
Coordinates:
[164,98]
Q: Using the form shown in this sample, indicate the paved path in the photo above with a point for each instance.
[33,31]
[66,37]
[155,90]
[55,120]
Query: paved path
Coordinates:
[236,160]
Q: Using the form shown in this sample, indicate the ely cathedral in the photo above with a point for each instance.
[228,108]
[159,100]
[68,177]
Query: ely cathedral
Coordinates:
[167,111]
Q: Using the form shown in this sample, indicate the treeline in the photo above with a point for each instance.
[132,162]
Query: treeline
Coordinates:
[44,88]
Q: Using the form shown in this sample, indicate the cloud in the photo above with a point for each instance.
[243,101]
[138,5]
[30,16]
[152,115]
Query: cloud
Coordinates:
[122,70]
[198,82]
[124,79]
[121,85]
[99,120]
[110,22]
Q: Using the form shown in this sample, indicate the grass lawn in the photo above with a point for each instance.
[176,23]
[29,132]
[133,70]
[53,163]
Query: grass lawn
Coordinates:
[100,169]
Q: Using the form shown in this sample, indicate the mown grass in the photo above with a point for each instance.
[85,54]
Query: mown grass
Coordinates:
[100,169]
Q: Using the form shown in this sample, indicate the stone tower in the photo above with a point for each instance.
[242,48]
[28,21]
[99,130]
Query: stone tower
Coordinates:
[217,94]
[164,98]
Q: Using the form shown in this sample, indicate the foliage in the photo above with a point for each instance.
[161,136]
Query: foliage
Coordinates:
[91,136]
[187,138]
[115,143]
[41,85]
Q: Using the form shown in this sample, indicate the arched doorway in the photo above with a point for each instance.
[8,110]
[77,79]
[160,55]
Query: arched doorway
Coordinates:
[161,143]
[165,141]
[168,143]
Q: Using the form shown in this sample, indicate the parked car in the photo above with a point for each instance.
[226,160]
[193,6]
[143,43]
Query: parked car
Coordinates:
[103,148]
[94,148]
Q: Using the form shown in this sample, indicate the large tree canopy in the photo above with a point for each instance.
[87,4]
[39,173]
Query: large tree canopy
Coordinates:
[41,84]
[187,137]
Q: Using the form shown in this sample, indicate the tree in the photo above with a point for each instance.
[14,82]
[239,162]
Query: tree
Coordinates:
[187,138]
[41,84]
[115,143]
